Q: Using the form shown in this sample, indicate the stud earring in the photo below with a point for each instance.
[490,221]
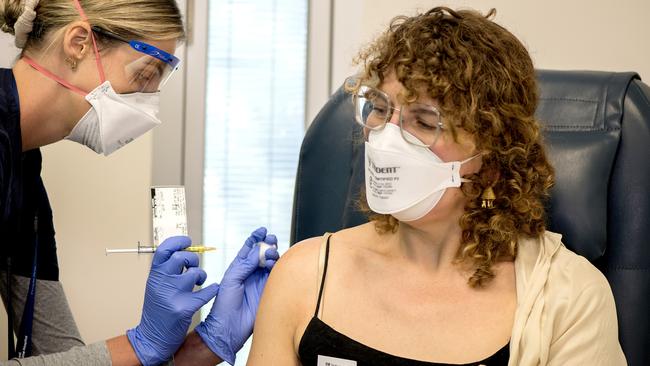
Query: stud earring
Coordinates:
[72,63]
[487,198]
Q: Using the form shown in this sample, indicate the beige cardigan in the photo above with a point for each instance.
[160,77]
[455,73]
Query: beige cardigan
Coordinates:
[565,309]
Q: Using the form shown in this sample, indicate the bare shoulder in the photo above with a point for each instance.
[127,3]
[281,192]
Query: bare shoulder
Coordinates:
[355,231]
[355,246]
[304,249]
[295,275]
[308,250]
[300,260]
[358,237]
[292,285]
[297,270]
[286,305]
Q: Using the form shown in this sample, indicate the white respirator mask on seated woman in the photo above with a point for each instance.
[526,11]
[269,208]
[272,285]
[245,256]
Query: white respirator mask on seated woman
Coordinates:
[405,180]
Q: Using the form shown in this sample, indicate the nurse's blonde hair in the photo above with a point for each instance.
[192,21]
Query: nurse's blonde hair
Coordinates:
[156,20]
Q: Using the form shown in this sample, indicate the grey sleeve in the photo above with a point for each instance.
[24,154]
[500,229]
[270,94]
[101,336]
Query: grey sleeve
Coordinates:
[95,354]
[50,334]
[56,339]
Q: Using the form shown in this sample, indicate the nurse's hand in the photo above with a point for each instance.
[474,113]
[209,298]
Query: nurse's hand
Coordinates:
[169,301]
[231,320]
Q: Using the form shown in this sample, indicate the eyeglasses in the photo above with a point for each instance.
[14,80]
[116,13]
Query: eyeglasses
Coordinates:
[148,73]
[420,124]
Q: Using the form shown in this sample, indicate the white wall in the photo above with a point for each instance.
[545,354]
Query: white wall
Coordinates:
[559,34]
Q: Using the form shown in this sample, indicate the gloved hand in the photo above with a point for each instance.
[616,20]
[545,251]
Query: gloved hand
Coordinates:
[231,320]
[169,302]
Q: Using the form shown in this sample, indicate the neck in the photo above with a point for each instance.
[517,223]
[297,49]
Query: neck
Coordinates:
[432,244]
[433,247]
[47,114]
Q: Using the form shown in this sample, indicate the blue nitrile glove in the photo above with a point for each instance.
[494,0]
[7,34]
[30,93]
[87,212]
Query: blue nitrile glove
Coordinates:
[230,322]
[169,302]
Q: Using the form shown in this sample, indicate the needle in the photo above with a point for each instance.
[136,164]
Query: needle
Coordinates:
[145,249]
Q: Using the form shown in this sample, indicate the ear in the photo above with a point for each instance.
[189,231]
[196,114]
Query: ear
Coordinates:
[77,40]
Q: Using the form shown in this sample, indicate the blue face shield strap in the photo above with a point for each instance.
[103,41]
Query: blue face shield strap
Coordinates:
[157,53]
[143,47]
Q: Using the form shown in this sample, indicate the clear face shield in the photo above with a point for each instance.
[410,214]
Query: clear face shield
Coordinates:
[149,73]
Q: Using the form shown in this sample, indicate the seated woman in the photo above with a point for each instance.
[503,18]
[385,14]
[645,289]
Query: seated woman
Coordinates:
[450,270]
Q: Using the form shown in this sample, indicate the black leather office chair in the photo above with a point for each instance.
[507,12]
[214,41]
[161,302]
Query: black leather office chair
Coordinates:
[597,129]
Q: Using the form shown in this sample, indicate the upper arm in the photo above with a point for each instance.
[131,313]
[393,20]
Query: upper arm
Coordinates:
[589,332]
[286,303]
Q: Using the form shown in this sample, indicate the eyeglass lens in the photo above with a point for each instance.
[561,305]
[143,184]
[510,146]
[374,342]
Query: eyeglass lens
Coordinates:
[419,121]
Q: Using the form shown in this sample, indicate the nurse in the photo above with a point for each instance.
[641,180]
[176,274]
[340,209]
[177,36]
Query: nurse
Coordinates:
[90,72]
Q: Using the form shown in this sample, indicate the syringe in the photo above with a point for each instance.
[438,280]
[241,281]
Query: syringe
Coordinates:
[194,248]
[150,249]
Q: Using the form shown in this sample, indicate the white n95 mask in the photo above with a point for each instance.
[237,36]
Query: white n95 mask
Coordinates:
[114,119]
[405,180]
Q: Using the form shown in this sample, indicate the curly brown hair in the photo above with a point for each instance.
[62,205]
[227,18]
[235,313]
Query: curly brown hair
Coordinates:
[484,80]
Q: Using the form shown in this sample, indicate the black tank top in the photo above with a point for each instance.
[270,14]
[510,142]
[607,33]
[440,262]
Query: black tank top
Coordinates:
[321,339]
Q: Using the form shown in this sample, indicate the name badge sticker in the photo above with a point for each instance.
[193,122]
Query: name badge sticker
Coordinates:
[333,361]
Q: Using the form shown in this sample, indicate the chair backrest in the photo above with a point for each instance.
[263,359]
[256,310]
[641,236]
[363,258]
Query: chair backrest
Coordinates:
[597,131]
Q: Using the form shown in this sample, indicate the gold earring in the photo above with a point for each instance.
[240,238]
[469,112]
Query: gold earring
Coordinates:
[72,63]
[487,198]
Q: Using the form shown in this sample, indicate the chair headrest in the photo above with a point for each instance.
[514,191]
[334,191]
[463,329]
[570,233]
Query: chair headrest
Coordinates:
[581,113]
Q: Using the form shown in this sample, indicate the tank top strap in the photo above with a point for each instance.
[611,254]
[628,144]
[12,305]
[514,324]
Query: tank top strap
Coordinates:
[323,258]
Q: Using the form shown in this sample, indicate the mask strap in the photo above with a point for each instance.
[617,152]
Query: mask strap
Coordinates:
[465,180]
[50,75]
[100,68]
[470,158]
